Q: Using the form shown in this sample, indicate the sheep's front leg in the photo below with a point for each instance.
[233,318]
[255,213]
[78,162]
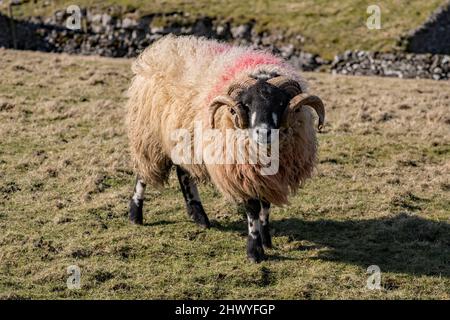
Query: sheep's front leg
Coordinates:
[264,218]
[137,202]
[255,251]
[190,193]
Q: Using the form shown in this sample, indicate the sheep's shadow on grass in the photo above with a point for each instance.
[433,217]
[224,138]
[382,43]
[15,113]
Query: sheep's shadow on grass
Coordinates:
[158,223]
[400,244]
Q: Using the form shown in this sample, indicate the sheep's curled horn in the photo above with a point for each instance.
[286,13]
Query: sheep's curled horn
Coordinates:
[298,99]
[240,117]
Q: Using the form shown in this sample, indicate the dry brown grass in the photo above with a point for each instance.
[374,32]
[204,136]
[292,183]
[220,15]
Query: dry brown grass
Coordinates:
[380,196]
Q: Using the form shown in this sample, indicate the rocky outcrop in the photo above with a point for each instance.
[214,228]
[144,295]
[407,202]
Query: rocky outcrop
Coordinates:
[401,65]
[433,36]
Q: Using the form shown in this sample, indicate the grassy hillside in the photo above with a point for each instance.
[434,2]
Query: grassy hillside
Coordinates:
[380,196]
[329,27]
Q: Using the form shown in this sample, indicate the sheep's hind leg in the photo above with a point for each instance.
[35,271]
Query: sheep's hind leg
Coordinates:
[255,251]
[137,202]
[264,219]
[191,197]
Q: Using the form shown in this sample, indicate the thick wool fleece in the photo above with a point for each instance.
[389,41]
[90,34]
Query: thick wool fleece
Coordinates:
[175,80]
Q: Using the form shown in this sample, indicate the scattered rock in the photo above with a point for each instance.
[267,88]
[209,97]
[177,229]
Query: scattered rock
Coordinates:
[242,31]
[128,23]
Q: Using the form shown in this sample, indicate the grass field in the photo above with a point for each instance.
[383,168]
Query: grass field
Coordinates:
[381,196]
[329,27]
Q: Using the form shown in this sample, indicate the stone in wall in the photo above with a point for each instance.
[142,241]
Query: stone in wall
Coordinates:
[400,65]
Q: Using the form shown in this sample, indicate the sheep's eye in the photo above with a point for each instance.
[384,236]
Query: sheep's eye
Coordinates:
[246,107]
[233,112]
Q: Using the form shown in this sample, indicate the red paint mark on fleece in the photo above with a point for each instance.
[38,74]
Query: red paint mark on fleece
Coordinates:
[247,60]
[221,48]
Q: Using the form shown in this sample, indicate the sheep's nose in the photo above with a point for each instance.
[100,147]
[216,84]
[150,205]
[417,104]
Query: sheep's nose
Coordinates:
[262,135]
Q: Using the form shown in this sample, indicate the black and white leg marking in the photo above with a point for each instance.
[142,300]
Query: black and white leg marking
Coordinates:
[137,202]
[255,251]
[264,218]
[191,197]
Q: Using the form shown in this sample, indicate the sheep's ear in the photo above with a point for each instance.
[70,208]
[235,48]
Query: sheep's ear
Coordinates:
[240,117]
[236,121]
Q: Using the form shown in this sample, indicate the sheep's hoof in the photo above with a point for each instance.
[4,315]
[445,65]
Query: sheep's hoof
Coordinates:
[196,212]
[256,258]
[201,220]
[136,215]
[255,251]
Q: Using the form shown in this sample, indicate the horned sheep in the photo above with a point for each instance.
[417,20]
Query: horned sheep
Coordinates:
[184,82]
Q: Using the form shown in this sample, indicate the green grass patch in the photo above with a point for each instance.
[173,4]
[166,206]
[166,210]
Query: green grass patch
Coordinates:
[379,197]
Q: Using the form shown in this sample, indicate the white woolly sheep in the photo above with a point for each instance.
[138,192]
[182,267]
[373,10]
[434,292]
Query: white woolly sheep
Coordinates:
[181,81]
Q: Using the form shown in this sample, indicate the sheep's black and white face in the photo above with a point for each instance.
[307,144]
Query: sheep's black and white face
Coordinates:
[265,105]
